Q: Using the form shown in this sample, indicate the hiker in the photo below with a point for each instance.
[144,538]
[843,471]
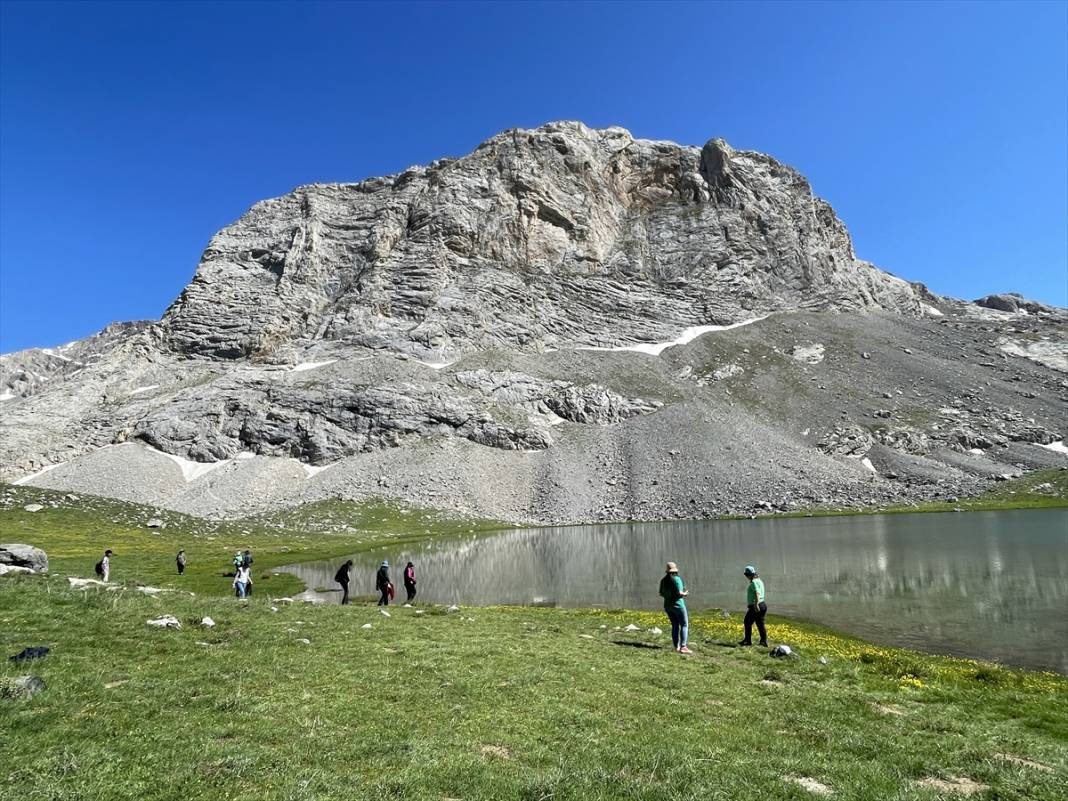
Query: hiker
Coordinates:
[103,567]
[179,560]
[246,561]
[409,581]
[238,560]
[243,582]
[674,594]
[383,584]
[756,609]
[342,578]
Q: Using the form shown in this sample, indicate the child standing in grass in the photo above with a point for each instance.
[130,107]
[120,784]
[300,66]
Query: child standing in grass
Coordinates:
[103,567]
[179,561]
[243,581]
[674,594]
[756,609]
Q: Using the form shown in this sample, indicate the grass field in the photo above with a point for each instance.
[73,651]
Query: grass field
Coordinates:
[484,703]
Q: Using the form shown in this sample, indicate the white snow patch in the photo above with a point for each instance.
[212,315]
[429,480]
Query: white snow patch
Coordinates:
[1049,354]
[1059,447]
[931,310]
[976,451]
[139,390]
[191,470]
[809,354]
[688,335]
[7,396]
[867,463]
[438,365]
[245,455]
[32,476]
[303,366]
[311,469]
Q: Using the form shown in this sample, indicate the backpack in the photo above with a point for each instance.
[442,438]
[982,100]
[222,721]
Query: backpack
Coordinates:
[100,568]
[342,575]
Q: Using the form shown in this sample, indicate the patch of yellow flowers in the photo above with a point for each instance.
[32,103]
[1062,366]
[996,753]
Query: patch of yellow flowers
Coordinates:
[910,669]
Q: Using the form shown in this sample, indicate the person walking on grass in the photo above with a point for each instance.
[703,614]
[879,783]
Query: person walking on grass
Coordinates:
[246,561]
[243,582]
[103,567]
[383,584]
[674,594]
[409,581]
[342,578]
[755,609]
[179,561]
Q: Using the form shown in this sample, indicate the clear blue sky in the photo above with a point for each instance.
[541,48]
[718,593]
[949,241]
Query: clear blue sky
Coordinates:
[130,133]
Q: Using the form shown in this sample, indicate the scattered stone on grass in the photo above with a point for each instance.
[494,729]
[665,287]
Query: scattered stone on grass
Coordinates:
[1029,763]
[419,611]
[150,590]
[155,522]
[782,651]
[883,709]
[16,556]
[384,613]
[366,626]
[954,784]
[207,622]
[33,652]
[822,660]
[304,640]
[453,608]
[496,750]
[33,507]
[656,630]
[771,683]
[587,636]
[111,685]
[631,627]
[81,584]
[810,784]
[21,687]
[165,622]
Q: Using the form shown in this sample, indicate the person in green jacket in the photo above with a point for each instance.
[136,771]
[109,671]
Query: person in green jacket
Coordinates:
[755,607]
[674,593]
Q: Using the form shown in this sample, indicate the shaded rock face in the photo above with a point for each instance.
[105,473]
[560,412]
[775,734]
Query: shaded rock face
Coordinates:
[562,234]
[26,556]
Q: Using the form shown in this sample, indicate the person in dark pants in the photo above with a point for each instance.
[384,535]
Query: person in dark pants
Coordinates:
[756,609]
[179,560]
[342,578]
[383,584]
[409,581]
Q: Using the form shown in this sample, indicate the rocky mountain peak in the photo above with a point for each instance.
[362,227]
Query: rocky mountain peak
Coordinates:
[539,238]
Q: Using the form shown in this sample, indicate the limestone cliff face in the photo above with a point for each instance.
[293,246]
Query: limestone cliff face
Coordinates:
[554,236]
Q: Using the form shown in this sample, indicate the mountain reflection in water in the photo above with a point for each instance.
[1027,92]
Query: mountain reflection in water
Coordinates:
[989,585]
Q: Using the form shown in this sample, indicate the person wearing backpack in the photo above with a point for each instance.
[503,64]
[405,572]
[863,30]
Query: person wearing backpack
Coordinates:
[755,609]
[342,578]
[674,594]
[383,584]
[179,562]
[246,561]
[103,567]
[409,581]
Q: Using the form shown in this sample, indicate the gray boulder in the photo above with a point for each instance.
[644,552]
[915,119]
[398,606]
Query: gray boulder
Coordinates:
[24,556]
[21,687]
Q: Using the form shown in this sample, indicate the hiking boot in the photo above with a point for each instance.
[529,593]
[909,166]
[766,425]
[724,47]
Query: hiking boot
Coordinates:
[764,644]
[745,643]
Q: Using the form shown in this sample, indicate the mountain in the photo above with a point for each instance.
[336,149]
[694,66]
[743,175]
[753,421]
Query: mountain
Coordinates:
[568,325]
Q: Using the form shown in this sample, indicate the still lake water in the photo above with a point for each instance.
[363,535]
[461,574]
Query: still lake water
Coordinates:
[986,585]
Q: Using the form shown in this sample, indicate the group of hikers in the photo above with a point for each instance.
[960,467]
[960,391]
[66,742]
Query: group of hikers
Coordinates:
[674,593]
[672,590]
[383,584]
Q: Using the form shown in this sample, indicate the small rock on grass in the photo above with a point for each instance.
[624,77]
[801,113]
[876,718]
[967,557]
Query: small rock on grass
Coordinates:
[33,507]
[366,626]
[21,687]
[304,640]
[453,608]
[167,621]
[384,613]
[810,784]
[1028,763]
[632,627]
[656,630]
[207,622]
[954,784]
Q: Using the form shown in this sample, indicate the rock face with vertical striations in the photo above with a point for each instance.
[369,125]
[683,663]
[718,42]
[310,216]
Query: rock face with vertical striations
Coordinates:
[559,235]
[565,325]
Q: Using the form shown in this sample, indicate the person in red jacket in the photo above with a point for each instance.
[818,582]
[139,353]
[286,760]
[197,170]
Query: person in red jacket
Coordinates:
[409,581]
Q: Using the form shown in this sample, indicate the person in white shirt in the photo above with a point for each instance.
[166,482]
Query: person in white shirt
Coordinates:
[103,567]
[242,581]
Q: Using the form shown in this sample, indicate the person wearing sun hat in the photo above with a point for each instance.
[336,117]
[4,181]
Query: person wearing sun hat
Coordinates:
[755,609]
[674,594]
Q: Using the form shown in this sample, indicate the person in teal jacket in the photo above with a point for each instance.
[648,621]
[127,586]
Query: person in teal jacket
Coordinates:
[755,608]
[674,594]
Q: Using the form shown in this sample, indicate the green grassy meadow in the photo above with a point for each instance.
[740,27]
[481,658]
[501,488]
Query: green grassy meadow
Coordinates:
[483,703]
